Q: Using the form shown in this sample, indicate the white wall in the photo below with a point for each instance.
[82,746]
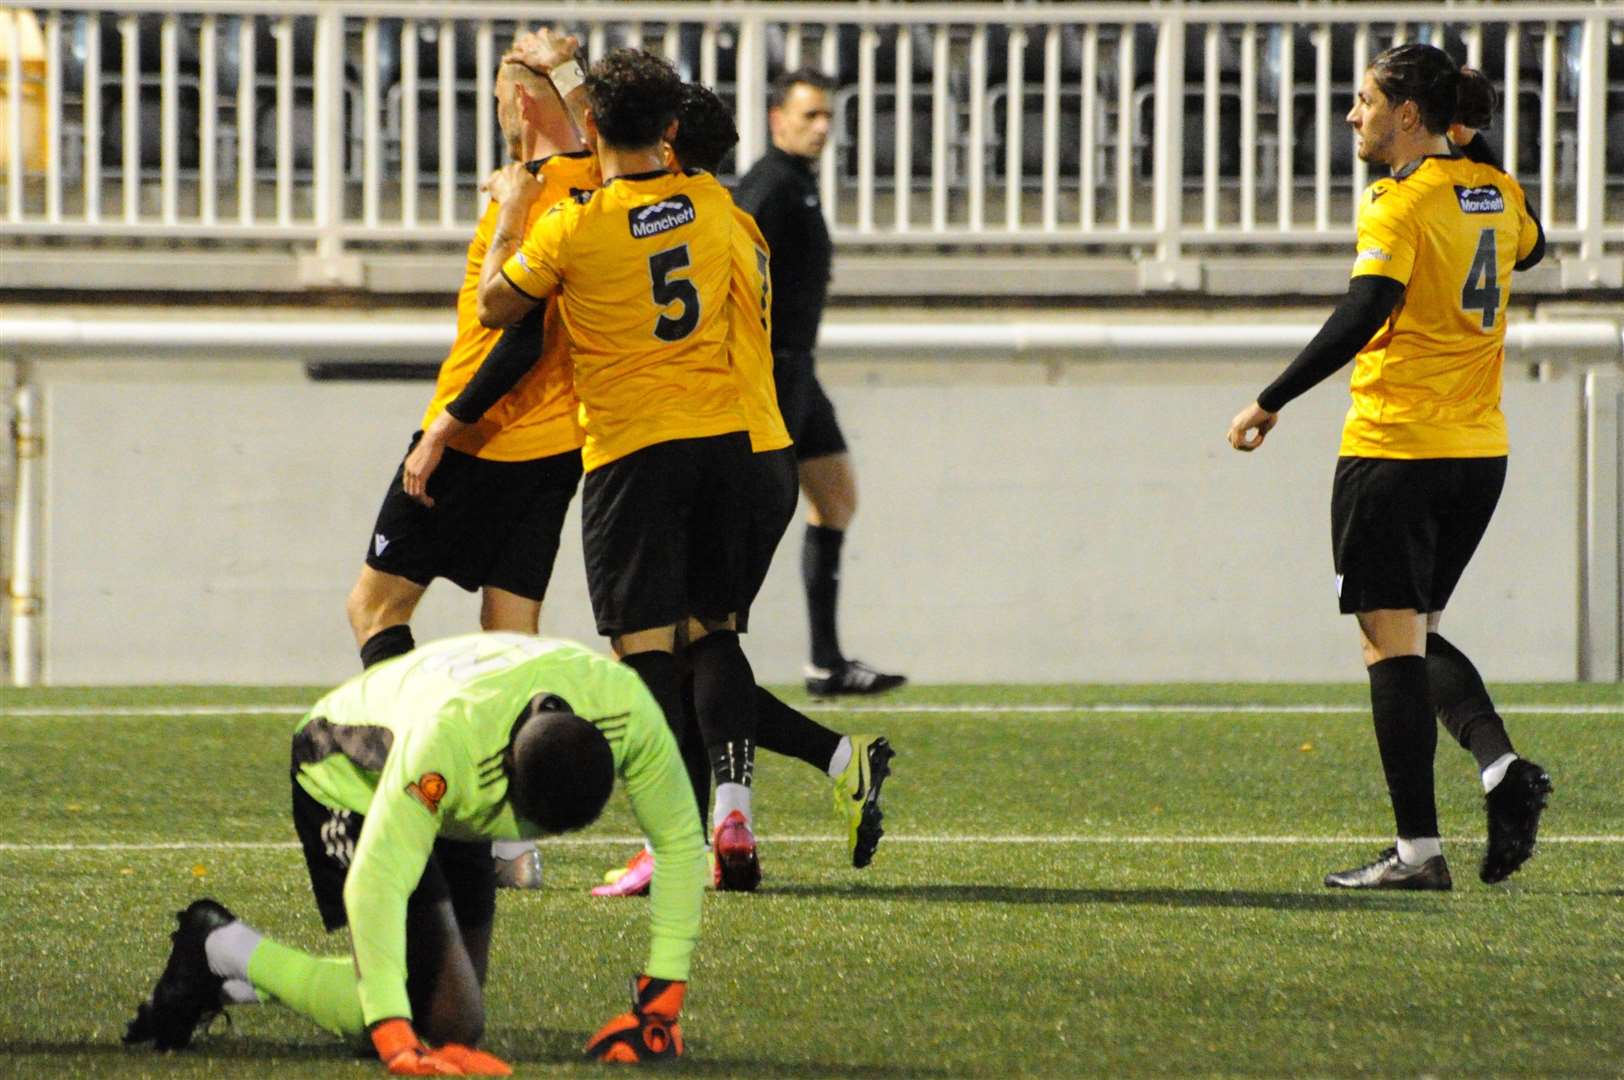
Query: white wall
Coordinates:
[1018,522]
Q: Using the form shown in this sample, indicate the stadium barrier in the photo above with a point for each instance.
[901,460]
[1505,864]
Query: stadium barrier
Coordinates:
[340,137]
[1595,347]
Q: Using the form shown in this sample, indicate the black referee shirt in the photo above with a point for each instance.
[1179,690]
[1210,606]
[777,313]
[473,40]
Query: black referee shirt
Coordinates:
[781,192]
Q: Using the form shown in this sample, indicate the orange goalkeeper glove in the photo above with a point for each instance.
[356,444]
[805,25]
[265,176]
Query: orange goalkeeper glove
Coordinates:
[649,1031]
[404,1054]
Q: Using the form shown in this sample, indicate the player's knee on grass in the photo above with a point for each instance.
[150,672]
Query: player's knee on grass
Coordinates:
[448,1004]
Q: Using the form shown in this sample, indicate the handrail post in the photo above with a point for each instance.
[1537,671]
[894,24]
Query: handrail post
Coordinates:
[1593,269]
[23,591]
[1170,270]
[751,103]
[1601,557]
[329,266]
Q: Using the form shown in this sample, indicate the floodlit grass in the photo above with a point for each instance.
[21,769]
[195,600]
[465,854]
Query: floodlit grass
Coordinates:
[1039,906]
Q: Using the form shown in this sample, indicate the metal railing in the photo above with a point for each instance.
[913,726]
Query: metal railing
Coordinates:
[1170,133]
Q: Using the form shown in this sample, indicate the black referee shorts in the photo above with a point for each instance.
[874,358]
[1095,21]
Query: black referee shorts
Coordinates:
[807,410]
[774,493]
[1402,531]
[494,523]
[664,532]
[463,873]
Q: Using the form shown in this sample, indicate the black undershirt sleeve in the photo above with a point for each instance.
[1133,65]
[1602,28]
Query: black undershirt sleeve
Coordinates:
[1370,300]
[514,353]
[1480,151]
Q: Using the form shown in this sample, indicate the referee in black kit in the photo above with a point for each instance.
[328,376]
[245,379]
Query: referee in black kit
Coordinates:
[781,193]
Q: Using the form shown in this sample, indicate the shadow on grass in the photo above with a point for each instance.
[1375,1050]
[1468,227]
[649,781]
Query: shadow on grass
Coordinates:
[1173,898]
[543,1047]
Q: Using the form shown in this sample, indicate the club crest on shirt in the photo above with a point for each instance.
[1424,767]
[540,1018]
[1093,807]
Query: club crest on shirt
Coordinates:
[663,216]
[1480,200]
[428,789]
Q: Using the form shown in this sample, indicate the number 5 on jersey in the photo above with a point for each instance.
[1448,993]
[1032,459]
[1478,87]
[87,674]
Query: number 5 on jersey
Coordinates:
[668,290]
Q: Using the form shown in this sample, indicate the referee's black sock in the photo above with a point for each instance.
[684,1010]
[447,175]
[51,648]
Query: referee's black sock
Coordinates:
[820,573]
[790,732]
[386,644]
[1464,707]
[1407,737]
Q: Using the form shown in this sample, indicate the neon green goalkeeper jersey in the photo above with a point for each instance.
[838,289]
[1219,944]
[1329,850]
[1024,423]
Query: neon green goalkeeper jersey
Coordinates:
[416,744]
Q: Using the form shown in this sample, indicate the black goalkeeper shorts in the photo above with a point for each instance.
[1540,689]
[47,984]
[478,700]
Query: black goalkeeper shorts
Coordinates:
[461,872]
[1402,531]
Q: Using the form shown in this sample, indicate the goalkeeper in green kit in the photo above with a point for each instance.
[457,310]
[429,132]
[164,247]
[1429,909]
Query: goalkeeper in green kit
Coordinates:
[401,779]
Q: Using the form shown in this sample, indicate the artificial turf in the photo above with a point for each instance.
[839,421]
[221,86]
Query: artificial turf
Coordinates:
[1077,889]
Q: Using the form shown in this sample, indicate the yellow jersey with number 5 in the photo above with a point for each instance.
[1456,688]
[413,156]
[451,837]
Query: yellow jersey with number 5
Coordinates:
[645,266]
[1427,385]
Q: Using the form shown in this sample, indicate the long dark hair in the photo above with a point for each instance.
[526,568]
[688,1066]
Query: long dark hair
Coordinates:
[1425,75]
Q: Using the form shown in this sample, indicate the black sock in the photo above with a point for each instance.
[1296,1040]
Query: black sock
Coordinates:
[1463,703]
[694,758]
[725,703]
[659,673]
[386,644]
[820,573]
[1408,739]
[788,731]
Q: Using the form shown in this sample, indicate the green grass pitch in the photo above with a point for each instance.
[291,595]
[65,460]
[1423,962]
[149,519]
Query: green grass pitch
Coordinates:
[1098,881]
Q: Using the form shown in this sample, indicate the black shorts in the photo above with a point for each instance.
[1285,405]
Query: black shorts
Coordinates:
[461,872]
[774,493]
[1402,531]
[664,533]
[808,412]
[493,523]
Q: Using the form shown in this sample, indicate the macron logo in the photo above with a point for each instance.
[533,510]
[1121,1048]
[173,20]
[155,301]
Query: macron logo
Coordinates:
[379,542]
[663,216]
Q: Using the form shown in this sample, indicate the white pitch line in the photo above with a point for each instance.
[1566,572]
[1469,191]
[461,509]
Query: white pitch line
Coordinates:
[1102,709]
[620,841]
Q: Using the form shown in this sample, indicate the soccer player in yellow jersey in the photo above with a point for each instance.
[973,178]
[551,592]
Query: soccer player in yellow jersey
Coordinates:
[493,518]
[643,269]
[857,764]
[1423,456]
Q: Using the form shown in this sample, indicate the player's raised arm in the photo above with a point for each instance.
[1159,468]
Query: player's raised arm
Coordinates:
[501,301]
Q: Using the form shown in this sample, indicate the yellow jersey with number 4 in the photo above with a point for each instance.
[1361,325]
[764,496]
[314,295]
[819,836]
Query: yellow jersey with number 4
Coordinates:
[1427,385]
[645,265]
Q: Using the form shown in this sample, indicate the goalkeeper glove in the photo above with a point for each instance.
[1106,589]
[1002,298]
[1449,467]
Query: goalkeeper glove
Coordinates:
[649,1031]
[404,1054]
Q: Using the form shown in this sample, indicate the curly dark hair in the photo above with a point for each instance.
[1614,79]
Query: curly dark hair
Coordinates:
[705,129]
[634,95]
[1425,75]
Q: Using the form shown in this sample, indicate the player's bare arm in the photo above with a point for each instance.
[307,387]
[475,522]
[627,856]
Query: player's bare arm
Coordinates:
[516,191]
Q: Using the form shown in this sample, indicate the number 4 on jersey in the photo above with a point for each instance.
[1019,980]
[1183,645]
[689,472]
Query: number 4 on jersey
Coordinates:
[1482,289]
